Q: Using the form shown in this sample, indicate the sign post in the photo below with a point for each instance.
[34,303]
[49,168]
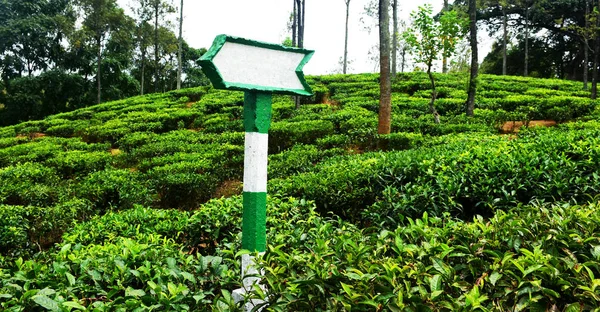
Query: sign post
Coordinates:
[260,70]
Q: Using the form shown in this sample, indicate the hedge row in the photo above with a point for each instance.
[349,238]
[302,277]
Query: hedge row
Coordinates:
[468,175]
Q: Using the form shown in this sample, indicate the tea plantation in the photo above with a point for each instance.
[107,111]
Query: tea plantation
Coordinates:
[135,205]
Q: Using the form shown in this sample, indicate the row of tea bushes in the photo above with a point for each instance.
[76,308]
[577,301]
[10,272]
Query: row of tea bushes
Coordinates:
[531,258]
[527,258]
[467,175]
[135,260]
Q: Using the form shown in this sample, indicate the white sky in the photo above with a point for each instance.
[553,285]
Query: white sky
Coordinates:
[266,20]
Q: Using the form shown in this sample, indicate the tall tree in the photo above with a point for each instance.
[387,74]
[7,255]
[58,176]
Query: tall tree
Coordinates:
[586,48]
[346,39]
[159,9]
[179,65]
[295,25]
[504,36]
[596,53]
[143,16]
[385,83]
[32,35]
[526,72]
[429,38]
[445,59]
[298,23]
[394,37]
[470,104]
[99,18]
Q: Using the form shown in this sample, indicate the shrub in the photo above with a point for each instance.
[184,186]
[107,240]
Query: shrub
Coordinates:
[462,178]
[284,135]
[29,184]
[114,189]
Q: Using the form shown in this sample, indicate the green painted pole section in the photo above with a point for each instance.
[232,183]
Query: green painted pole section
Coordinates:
[257,120]
[254,226]
[257,111]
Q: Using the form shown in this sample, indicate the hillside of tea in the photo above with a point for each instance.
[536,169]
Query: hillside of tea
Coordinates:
[135,205]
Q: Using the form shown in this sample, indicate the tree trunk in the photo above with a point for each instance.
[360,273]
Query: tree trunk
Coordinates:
[301,9]
[596,53]
[99,71]
[526,73]
[143,71]
[346,42]
[156,71]
[470,105]
[394,38]
[586,47]
[295,25]
[432,109]
[504,39]
[445,59]
[385,98]
[403,61]
[179,65]
[303,21]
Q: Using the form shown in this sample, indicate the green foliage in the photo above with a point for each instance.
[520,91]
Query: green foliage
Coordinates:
[49,93]
[284,135]
[466,176]
[429,38]
[508,262]
[91,182]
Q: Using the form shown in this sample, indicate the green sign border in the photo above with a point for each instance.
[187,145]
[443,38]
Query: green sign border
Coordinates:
[209,68]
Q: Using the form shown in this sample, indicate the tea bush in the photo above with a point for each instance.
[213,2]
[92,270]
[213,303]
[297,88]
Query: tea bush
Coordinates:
[463,178]
[284,135]
[91,183]
[528,258]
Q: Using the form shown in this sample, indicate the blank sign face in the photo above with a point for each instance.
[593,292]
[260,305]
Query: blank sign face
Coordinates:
[250,65]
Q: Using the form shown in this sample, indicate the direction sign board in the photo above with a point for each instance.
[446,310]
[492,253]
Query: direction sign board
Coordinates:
[234,63]
[260,69]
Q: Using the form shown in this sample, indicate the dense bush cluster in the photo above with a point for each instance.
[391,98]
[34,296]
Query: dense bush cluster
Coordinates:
[134,204]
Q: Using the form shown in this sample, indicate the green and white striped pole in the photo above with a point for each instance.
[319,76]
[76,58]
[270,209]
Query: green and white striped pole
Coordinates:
[257,119]
[259,69]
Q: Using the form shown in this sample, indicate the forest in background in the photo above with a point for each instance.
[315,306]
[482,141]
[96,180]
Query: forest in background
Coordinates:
[60,55]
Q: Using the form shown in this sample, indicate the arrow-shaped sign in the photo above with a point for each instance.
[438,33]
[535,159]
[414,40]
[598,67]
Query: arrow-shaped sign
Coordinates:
[234,63]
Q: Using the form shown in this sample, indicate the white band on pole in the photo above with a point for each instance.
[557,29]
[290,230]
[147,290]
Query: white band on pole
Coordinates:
[255,162]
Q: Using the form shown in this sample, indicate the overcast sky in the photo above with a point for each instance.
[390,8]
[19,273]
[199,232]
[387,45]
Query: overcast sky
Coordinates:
[266,20]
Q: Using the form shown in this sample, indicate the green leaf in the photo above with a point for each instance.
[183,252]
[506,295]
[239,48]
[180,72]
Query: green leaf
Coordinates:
[573,307]
[65,248]
[46,302]
[172,288]
[130,292]
[347,288]
[441,267]
[70,278]
[46,292]
[188,277]
[596,252]
[74,305]
[494,277]
[435,283]
[199,297]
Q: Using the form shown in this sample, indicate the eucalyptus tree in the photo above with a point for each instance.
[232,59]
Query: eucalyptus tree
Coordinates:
[470,104]
[159,9]
[385,88]
[179,52]
[445,8]
[394,37]
[345,66]
[298,15]
[100,17]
